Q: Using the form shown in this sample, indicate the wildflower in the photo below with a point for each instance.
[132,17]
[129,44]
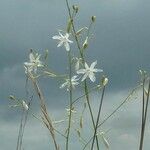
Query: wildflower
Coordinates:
[33,64]
[74,82]
[63,40]
[89,71]
[24,105]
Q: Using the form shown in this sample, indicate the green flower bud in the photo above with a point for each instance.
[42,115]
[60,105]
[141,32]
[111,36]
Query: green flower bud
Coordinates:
[75,8]
[12,97]
[85,44]
[93,18]
[104,81]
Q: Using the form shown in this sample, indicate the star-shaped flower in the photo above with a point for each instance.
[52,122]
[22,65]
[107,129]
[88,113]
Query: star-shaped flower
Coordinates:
[34,63]
[89,71]
[74,82]
[63,40]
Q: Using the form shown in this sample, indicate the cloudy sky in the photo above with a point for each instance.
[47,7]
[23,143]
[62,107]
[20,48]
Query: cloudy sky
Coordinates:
[120,44]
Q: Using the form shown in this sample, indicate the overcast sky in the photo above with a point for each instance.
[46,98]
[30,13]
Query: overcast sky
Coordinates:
[120,44]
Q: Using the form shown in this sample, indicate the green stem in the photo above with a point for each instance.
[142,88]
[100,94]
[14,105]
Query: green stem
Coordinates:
[143,109]
[70,102]
[109,116]
[98,117]
[82,56]
[144,119]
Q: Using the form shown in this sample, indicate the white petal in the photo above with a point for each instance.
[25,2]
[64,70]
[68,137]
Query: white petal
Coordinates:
[67,35]
[63,85]
[67,46]
[61,35]
[86,66]
[74,78]
[92,77]
[84,77]
[31,57]
[70,41]
[93,64]
[25,106]
[81,71]
[38,57]
[27,64]
[97,70]
[56,37]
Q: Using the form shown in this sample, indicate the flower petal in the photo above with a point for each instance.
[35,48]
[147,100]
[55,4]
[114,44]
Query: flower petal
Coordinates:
[85,76]
[97,70]
[56,37]
[70,41]
[93,64]
[81,71]
[31,57]
[67,35]
[66,44]
[92,77]
[86,66]
[63,85]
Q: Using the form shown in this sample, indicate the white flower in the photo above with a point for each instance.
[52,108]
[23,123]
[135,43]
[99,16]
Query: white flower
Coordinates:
[74,82]
[63,40]
[33,64]
[89,71]
[24,105]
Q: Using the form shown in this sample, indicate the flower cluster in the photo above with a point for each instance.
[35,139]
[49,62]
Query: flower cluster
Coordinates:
[85,72]
[33,64]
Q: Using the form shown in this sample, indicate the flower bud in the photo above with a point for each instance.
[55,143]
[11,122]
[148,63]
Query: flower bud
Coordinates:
[12,97]
[69,25]
[85,44]
[104,81]
[75,8]
[93,18]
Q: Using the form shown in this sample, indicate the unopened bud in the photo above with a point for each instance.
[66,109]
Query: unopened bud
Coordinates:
[69,25]
[75,8]
[46,54]
[85,44]
[93,18]
[12,97]
[104,81]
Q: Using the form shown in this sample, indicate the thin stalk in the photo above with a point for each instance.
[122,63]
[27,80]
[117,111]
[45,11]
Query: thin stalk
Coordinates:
[144,119]
[90,109]
[91,90]
[143,109]
[20,131]
[70,102]
[73,28]
[82,56]
[109,116]
[98,117]
[47,121]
